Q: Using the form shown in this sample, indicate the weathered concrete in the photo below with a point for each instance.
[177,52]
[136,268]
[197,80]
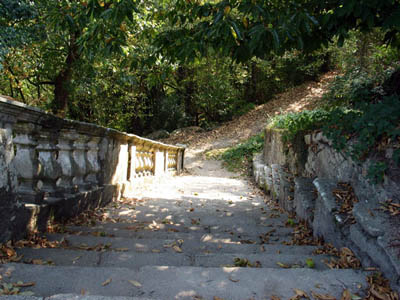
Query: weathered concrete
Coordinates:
[210,221]
[59,168]
[155,281]
[304,198]
[374,233]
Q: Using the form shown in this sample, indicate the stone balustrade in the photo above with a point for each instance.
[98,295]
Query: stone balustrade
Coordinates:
[58,166]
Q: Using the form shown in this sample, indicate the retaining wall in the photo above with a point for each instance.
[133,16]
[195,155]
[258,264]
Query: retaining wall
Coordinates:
[303,178]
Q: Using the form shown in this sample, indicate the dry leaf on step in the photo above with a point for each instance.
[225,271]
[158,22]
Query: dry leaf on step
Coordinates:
[37,262]
[346,295]
[108,281]
[300,293]
[121,249]
[135,283]
[22,284]
[233,280]
[283,265]
[322,297]
[177,249]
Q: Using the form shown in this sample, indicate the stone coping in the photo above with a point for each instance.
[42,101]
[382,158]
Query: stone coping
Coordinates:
[25,113]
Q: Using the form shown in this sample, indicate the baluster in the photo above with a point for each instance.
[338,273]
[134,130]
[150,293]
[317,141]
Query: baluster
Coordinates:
[26,161]
[49,170]
[65,161]
[79,158]
[9,180]
[93,160]
[134,162]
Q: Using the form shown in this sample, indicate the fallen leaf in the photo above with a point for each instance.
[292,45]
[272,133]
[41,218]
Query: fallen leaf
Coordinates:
[346,295]
[310,263]
[273,297]
[83,292]
[121,249]
[177,249]
[156,251]
[233,280]
[217,298]
[322,297]
[26,284]
[76,259]
[135,283]
[37,262]
[283,265]
[300,293]
[108,281]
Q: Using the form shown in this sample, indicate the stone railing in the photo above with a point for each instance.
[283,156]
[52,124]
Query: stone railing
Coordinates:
[48,163]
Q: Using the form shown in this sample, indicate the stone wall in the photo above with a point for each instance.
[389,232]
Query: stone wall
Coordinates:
[303,178]
[56,167]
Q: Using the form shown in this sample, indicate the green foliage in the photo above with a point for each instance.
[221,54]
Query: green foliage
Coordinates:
[15,27]
[350,88]
[365,52]
[239,156]
[255,28]
[376,172]
[363,123]
[310,263]
[302,122]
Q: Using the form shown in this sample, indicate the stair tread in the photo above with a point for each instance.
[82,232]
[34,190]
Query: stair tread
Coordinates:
[187,282]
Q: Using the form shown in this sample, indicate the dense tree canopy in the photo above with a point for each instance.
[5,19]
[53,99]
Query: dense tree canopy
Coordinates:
[143,65]
[246,28]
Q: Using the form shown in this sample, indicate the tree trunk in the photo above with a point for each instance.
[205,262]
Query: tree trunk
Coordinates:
[251,92]
[63,80]
[188,89]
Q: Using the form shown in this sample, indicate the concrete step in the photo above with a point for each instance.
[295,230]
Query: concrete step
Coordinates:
[261,260]
[198,227]
[183,282]
[188,202]
[190,245]
[218,237]
[71,297]
[209,215]
[178,257]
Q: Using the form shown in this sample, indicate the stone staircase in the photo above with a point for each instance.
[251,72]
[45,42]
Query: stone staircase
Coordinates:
[205,238]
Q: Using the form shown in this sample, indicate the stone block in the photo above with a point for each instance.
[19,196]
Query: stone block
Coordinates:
[286,191]
[268,179]
[376,251]
[370,219]
[275,182]
[304,197]
[327,221]
[277,151]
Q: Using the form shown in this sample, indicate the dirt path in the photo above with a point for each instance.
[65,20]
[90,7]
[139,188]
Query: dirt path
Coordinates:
[305,96]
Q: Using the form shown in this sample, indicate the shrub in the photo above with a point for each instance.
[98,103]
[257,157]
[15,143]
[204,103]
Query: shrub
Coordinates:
[239,156]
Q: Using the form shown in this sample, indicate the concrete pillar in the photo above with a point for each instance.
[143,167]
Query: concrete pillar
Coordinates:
[133,162]
[159,162]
